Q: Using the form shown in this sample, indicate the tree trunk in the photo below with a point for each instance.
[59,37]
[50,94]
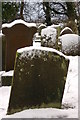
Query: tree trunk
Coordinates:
[46,9]
[21,10]
[71,12]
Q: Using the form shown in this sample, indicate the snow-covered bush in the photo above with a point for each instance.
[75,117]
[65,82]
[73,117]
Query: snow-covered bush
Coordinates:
[70,44]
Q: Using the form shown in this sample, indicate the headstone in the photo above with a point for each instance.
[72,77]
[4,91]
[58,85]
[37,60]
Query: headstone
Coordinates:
[38,80]
[48,37]
[70,44]
[66,30]
[18,34]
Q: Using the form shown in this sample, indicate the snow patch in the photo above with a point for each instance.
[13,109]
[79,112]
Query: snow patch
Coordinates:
[9,73]
[70,97]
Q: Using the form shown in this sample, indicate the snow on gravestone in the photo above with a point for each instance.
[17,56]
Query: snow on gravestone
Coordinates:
[18,34]
[39,78]
[70,44]
[48,36]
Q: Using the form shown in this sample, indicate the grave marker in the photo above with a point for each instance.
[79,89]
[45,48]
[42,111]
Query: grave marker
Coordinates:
[18,34]
[39,78]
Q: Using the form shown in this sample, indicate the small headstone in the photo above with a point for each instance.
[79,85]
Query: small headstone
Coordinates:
[66,30]
[18,34]
[48,37]
[70,44]
[39,78]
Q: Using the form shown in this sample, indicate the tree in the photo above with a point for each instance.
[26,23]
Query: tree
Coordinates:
[46,8]
[21,10]
[33,11]
[71,10]
[65,8]
[9,11]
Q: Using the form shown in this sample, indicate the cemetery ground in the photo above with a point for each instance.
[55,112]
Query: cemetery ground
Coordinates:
[69,101]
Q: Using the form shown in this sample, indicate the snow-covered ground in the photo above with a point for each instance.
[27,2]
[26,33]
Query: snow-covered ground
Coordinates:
[69,102]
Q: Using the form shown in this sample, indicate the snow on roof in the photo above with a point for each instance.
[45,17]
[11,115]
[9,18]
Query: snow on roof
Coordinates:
[8,25]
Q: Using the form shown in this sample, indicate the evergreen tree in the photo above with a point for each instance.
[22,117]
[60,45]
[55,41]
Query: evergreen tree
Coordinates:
[9,11]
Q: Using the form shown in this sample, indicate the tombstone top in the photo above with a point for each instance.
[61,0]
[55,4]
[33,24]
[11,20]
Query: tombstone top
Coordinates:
[8,25]
[66,30]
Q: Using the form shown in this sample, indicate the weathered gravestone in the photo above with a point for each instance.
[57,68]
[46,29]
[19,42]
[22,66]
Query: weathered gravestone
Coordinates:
[48,37]
[18,34]
[38,80]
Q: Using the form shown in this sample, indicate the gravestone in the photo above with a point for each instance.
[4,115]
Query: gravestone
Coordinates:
[66,30]
[18,34]
[48,37]
[39,78]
